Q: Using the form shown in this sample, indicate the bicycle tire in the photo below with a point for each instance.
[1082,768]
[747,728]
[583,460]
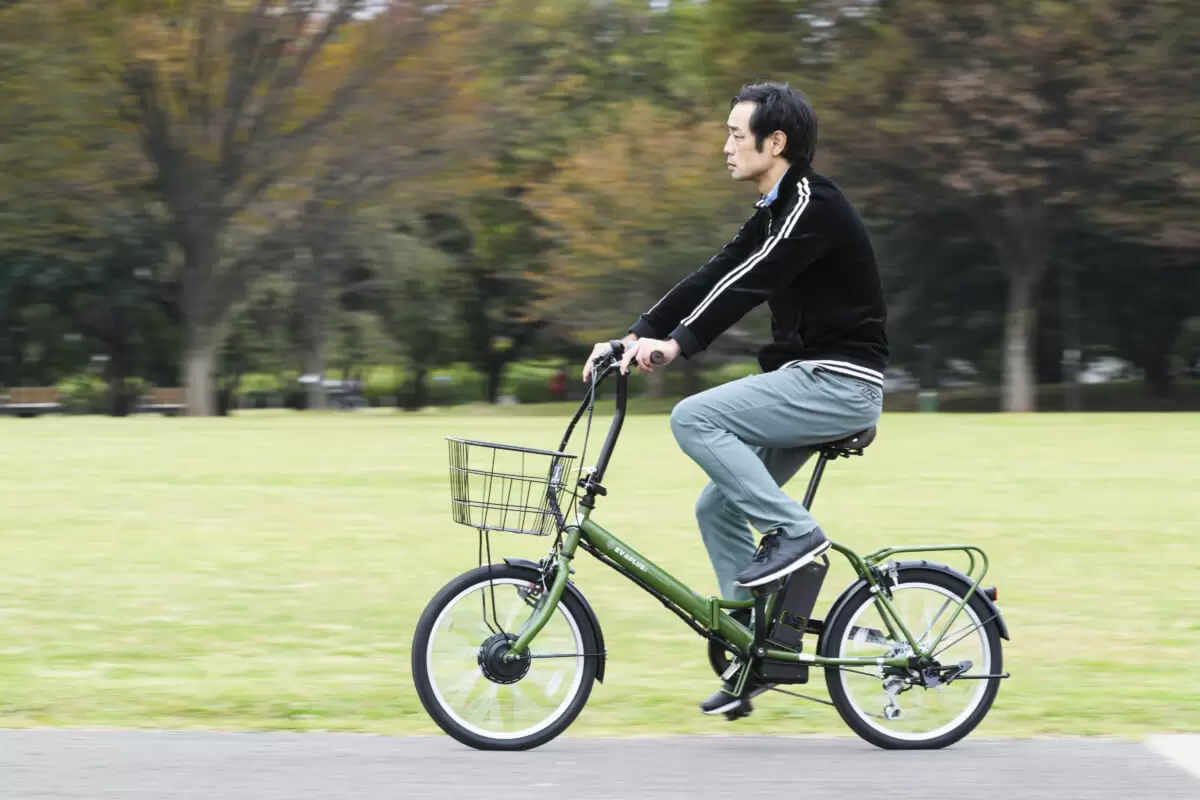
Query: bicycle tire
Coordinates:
[579,619]
[834,633]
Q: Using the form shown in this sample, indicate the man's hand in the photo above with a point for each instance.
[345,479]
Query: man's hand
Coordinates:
[603,349]
[641,351]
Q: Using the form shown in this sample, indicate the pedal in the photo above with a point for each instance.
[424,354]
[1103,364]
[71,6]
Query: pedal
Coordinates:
[771,588]
[743,710]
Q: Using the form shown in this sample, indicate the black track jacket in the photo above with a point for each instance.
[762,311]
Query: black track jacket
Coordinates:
[807,254]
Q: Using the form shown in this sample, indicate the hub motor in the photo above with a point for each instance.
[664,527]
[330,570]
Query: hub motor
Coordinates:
[495,667]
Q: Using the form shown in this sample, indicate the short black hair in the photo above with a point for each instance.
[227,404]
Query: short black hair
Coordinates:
[782,108]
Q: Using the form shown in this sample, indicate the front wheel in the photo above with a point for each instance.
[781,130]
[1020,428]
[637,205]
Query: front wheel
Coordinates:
[941,701]
[463,679]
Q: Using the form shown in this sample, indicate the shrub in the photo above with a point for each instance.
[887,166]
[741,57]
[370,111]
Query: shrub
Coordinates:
[530,381]
[455,385]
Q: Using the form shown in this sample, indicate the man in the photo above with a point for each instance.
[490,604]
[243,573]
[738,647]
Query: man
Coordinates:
[804,251]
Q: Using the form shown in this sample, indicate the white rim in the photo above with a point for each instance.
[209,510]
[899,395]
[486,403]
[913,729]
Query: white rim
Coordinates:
[981,685]
[553,717]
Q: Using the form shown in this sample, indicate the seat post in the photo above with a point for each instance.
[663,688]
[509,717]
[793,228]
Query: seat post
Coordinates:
[815,480]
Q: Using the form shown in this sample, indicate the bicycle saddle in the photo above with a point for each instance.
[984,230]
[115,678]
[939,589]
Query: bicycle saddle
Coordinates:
[857,441]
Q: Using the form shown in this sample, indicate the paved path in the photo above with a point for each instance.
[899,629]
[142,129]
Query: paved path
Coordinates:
[62,765]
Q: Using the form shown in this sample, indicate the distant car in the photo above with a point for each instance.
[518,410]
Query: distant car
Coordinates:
[344,395]
[898,380]
[1107,369]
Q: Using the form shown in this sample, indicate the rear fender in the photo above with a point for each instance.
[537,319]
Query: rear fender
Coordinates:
[844,597]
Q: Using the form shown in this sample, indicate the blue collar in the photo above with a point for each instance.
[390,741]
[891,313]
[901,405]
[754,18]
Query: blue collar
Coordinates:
[769,197]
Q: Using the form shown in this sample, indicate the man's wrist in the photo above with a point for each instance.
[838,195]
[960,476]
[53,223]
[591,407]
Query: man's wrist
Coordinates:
[689,345]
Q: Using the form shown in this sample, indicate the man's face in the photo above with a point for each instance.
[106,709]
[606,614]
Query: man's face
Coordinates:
[744,161]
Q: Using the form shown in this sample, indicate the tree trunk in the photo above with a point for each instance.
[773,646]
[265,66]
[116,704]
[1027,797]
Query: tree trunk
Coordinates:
[1072,349]
[691,377]
[1156,367]
[1020,322]
[200,367]
[118,364]
[200,328]
[315,365]
[656,383]
[495,373]
[1023,244]
[118,371]
[420,393]
[312,288]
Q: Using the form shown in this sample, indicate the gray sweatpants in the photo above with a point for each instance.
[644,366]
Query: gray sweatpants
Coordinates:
[751,436]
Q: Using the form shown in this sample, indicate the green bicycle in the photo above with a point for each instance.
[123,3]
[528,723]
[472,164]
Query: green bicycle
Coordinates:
[505,655]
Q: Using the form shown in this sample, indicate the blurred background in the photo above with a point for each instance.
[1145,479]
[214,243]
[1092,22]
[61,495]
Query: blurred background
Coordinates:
[208,206]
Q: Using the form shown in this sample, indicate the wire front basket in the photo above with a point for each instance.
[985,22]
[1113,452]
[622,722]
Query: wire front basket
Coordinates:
[500,487]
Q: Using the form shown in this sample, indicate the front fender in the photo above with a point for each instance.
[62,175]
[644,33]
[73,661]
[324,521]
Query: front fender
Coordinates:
[593,621]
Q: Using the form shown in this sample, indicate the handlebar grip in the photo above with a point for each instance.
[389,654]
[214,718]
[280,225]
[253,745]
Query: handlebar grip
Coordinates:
[657,357]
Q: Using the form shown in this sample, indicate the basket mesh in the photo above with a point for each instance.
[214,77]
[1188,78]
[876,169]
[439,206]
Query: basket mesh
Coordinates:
[500,487]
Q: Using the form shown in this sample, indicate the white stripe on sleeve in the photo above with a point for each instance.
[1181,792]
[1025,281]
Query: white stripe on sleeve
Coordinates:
[763,252]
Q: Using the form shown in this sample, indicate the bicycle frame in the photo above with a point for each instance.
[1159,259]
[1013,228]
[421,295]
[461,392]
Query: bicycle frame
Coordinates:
[706,613]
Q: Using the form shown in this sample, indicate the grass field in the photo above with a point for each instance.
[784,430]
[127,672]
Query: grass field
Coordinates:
[266,571]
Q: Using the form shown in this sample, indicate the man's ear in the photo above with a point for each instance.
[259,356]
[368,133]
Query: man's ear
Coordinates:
[778,138]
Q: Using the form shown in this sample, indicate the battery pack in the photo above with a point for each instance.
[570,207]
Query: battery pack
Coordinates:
[792,618]
[796,601]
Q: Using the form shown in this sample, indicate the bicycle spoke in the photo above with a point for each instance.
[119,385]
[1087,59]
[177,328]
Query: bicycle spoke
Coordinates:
[932,622]
[896,702]
[511,699]
[973,628]
[467,684]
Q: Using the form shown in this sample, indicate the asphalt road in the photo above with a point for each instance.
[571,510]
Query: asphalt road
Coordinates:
[45,765]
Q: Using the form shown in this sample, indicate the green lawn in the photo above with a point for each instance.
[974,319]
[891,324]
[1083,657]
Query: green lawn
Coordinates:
[266,571]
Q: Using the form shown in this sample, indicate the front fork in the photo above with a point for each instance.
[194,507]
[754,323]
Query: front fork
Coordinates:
[546,604]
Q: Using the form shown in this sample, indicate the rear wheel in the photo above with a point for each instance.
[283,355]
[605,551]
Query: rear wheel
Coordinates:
[926,708]
[471,690]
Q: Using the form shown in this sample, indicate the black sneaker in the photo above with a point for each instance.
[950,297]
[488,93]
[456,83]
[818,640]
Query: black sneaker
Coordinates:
[779,555]
[724,701]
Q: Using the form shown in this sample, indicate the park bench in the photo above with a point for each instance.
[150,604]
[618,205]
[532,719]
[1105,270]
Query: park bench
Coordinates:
[167,400]
[30,401]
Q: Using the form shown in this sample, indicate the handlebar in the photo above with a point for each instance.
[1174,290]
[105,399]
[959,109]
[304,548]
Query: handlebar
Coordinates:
[602,367]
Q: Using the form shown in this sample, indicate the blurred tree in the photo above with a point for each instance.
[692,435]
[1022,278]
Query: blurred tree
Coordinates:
[943,287]
[492,247]
[257,340]
[1137,299]
[384,154]
[230,101]
[411,285]
[65,159]
[558,77]
[996,102]
[79,234]
[1148,150]
[645,203]
[554,66]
